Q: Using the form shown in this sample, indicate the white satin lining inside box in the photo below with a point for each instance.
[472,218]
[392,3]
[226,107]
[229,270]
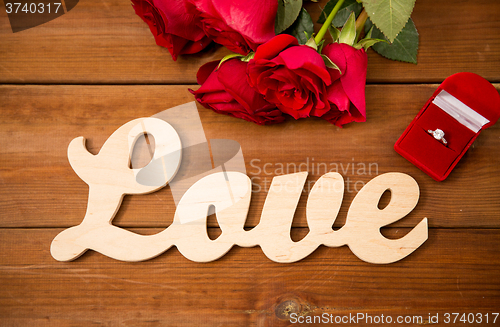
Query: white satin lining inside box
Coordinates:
[460,111]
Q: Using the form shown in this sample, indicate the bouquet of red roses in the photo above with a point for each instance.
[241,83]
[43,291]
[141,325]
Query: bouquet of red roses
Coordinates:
[279,66]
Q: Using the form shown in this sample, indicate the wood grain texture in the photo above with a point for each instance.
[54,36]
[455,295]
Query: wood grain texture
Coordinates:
[39,188]
[105,42]
[454,271]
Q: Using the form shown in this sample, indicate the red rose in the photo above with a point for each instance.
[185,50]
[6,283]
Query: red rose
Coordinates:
[348,92]
[226,91]
[173,24]
[293,77]
[239,25]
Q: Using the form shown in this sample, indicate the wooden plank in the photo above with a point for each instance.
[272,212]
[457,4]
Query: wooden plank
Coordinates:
[39,188]
[105,42]
[447,274]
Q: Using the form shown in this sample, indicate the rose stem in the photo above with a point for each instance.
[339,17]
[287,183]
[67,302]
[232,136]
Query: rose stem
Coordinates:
[328,22]
[360,23]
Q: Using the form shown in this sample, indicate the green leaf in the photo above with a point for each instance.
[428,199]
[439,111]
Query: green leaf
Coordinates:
[329,63]
[405,46]
[390,16]
[334,33]
[303,27]
[288,11]
[230,56]
[348,33]
[343,14]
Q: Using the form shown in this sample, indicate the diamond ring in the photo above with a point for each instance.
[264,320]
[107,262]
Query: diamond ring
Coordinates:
[438,135]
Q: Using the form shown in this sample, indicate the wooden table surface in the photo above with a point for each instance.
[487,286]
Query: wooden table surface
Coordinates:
[97,67]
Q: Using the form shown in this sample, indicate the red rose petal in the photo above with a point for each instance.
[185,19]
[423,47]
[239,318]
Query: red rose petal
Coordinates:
[172,25]
[211,84]
[272,48]
[205,71]
[353,82]
[181,17]
[231,75]
[337,96]
[195,46]
[305,57]
[253,20]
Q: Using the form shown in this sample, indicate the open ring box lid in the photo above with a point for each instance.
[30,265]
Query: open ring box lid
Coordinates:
[462,106]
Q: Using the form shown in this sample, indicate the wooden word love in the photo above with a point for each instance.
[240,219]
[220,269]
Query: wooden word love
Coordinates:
[110,178]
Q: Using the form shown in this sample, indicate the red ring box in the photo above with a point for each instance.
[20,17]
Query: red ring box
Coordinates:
[469,105]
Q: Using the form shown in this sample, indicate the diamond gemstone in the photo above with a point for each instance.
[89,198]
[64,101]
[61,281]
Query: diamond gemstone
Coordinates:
[438,134]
